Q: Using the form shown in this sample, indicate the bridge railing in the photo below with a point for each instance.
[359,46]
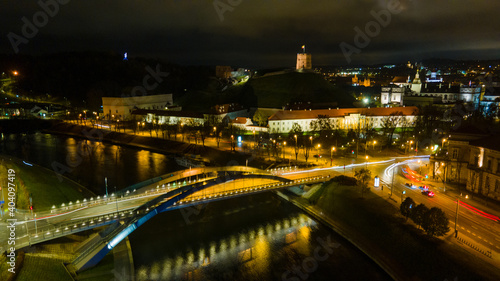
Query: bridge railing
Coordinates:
[251,189]
[92,202]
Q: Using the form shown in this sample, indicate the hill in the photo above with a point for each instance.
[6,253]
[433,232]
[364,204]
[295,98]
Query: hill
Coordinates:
[278,90]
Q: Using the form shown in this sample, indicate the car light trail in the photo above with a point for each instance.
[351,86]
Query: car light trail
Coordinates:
[479,212]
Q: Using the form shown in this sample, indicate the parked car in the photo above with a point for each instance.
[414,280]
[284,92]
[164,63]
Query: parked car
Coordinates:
[317,156]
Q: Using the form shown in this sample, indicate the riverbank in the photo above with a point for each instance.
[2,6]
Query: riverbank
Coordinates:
[374,226]
[44,186]
[158,145]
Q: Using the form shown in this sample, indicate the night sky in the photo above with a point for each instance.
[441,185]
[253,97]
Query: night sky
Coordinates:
[258,33]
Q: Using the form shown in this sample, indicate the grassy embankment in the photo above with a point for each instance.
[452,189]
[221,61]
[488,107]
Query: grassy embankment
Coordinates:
[415,253]
[43,184]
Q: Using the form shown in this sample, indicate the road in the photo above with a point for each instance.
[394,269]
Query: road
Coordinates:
[480,229]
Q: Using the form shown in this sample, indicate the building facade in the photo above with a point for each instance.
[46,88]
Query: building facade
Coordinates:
[343,119]
[484,167]
[304,61]
[393,94]
[122,107]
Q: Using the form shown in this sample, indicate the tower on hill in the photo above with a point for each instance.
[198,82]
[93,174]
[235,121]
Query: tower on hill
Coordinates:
[304,60]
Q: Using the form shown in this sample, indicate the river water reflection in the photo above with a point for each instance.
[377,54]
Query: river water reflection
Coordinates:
[259,237]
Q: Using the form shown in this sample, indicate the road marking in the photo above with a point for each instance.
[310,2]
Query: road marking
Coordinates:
[462,227]
[479,237]
[473,234]
[468,230]
[491,243]
[474,227]
[497,239]
[497,247]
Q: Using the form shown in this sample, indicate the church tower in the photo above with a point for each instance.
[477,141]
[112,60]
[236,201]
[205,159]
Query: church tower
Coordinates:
[416,86]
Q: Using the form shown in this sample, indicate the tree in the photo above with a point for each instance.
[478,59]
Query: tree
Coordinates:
[417,214]
[390,123]
[296,129]
[322,125]
[363,176]
[435,222]
[260,117]
[406,207]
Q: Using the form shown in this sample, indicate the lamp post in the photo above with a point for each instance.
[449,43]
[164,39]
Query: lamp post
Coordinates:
[444,177]
[331,155]
[36,229]
[116,199]
[317,159]
[374,143]
[232,139]
[296,148]
[366,162]
[284,150]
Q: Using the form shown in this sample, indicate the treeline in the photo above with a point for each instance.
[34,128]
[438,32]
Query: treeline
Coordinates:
[433,221]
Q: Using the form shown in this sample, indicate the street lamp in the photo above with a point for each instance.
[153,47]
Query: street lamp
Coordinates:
[442,143]
[317,159]
[366,162]
[296,148]
[232,139]
[331,155]
[374,143]
[284,150]
[444,177]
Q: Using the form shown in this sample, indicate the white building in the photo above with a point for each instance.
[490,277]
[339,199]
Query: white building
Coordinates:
[344,118]
[392,94]
[122,107]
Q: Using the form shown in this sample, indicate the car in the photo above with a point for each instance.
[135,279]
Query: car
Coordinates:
[410,185]
[317,156]
[428,193]
[423,187]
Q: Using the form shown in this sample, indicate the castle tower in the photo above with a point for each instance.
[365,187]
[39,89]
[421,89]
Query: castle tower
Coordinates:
[304,60]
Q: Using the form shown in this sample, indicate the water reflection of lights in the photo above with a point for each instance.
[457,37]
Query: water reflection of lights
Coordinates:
[254,245]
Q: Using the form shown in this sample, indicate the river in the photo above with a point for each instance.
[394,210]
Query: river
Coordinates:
[259,237]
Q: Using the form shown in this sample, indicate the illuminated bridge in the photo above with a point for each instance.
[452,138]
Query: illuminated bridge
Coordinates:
[134,205]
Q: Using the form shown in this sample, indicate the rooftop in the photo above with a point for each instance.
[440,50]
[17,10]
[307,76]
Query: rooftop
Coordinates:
[312,114]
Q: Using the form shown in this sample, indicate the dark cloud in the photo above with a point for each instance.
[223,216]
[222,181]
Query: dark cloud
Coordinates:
[260,32]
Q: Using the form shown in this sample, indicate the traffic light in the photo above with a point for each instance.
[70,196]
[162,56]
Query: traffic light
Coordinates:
[352,152]
[31,208]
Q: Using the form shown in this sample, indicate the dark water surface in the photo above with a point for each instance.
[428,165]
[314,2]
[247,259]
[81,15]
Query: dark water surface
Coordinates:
[259,237]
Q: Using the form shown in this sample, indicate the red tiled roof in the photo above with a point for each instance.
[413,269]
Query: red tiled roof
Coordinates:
[312,114]
[240,120]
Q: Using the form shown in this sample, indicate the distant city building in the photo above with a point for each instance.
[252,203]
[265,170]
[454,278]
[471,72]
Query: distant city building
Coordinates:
[401,81]
[344,118]
[447,92]
[469,93]
[416,85]
[304,61]
[357,82]
[223,71]
[122,107]
[393,94]
[434,76]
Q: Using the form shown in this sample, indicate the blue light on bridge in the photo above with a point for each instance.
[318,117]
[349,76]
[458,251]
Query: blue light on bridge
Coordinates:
[121,236]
